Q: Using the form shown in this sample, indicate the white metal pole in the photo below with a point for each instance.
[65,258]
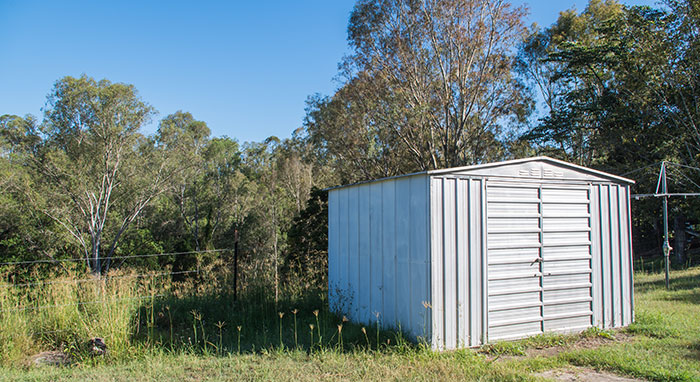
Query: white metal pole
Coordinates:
[667,246]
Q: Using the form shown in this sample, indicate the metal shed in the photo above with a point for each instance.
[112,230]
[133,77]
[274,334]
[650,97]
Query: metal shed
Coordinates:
[466,256]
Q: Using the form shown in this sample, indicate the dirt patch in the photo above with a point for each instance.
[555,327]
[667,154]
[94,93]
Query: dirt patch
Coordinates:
[49,358]
[584,375]
[551,350]
[580,343]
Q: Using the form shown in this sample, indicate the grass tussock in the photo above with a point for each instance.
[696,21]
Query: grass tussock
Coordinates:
[65,312]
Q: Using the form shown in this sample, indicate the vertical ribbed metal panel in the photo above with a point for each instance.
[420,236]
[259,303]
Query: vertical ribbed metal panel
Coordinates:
[437,262]
[596,261]
[449,237]
[630,256]
[377,229]
[456,238]
[343,284]
[363,286]
[477,261]
[420,253]
[462,262]
[613,288]
[378,253]
[389,254]
[353,263]
[403,253]
[625,255]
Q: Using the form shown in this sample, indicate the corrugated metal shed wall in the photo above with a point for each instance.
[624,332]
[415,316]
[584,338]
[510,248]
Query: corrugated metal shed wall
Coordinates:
[612,253]
[378,253]
[457,250]
[558,258]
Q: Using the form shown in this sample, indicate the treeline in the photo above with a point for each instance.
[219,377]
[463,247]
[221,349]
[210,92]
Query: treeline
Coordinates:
[428,84]
[86,183]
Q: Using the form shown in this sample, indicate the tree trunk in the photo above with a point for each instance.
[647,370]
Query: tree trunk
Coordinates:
[235,265]
[196,218]
[679,238]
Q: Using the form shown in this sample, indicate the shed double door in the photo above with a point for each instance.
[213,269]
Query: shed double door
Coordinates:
[539,259]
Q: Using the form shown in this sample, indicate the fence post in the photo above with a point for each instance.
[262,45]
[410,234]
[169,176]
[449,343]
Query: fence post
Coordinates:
[235,265]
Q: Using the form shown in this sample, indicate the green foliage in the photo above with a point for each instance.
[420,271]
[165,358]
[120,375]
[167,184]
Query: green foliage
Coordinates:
[86,183]
[620,93]
[427,85]
[308,240]
[504,348]
[652,324]
[596,332]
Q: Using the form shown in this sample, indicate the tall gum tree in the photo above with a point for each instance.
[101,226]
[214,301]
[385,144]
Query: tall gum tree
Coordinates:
[428,85]
[94,166]
[180,133]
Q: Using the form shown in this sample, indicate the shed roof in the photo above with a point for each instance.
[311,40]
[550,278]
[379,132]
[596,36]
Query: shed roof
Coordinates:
[541,167]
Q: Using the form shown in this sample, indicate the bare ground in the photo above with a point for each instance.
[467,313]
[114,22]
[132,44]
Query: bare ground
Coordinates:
[581,343]
[584,375]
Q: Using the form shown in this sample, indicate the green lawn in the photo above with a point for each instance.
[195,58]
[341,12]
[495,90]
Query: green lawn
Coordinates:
[663,345]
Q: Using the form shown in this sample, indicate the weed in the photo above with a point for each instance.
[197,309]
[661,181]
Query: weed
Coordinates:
[296,342]
[504,348]
[595,331]
[239,327]
[652,324]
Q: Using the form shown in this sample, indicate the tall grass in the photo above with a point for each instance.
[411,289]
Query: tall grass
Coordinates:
[63,313]
[138,314]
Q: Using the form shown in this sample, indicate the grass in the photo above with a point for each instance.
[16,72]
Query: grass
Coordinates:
[666,335]
[662,345]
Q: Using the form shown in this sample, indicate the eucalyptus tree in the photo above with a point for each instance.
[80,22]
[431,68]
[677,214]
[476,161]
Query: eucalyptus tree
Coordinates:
[568,63]
[21,233]
[615,79]
[186,138]
[94,167]
[428,84]
[230,192]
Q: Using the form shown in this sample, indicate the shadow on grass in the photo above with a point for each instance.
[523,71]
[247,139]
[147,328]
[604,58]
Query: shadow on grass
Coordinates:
[215,324]
[677,283]
[694,353]
[690,296]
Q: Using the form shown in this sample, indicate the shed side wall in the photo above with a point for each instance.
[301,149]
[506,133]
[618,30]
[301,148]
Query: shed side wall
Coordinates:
[378,253]
[612,256]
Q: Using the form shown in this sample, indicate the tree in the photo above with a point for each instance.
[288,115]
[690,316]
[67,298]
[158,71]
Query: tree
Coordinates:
[97,170]
[187,138]
[681,91]
[22,233]
[569,64]
[428,85]
[308,241]
[620,90]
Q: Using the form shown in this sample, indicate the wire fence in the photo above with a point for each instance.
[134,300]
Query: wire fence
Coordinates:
[104,301]
[94,279]
[98,279]
[44,261]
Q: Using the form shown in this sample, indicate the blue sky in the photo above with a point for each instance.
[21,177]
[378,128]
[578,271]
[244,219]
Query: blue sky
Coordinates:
[244,67]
